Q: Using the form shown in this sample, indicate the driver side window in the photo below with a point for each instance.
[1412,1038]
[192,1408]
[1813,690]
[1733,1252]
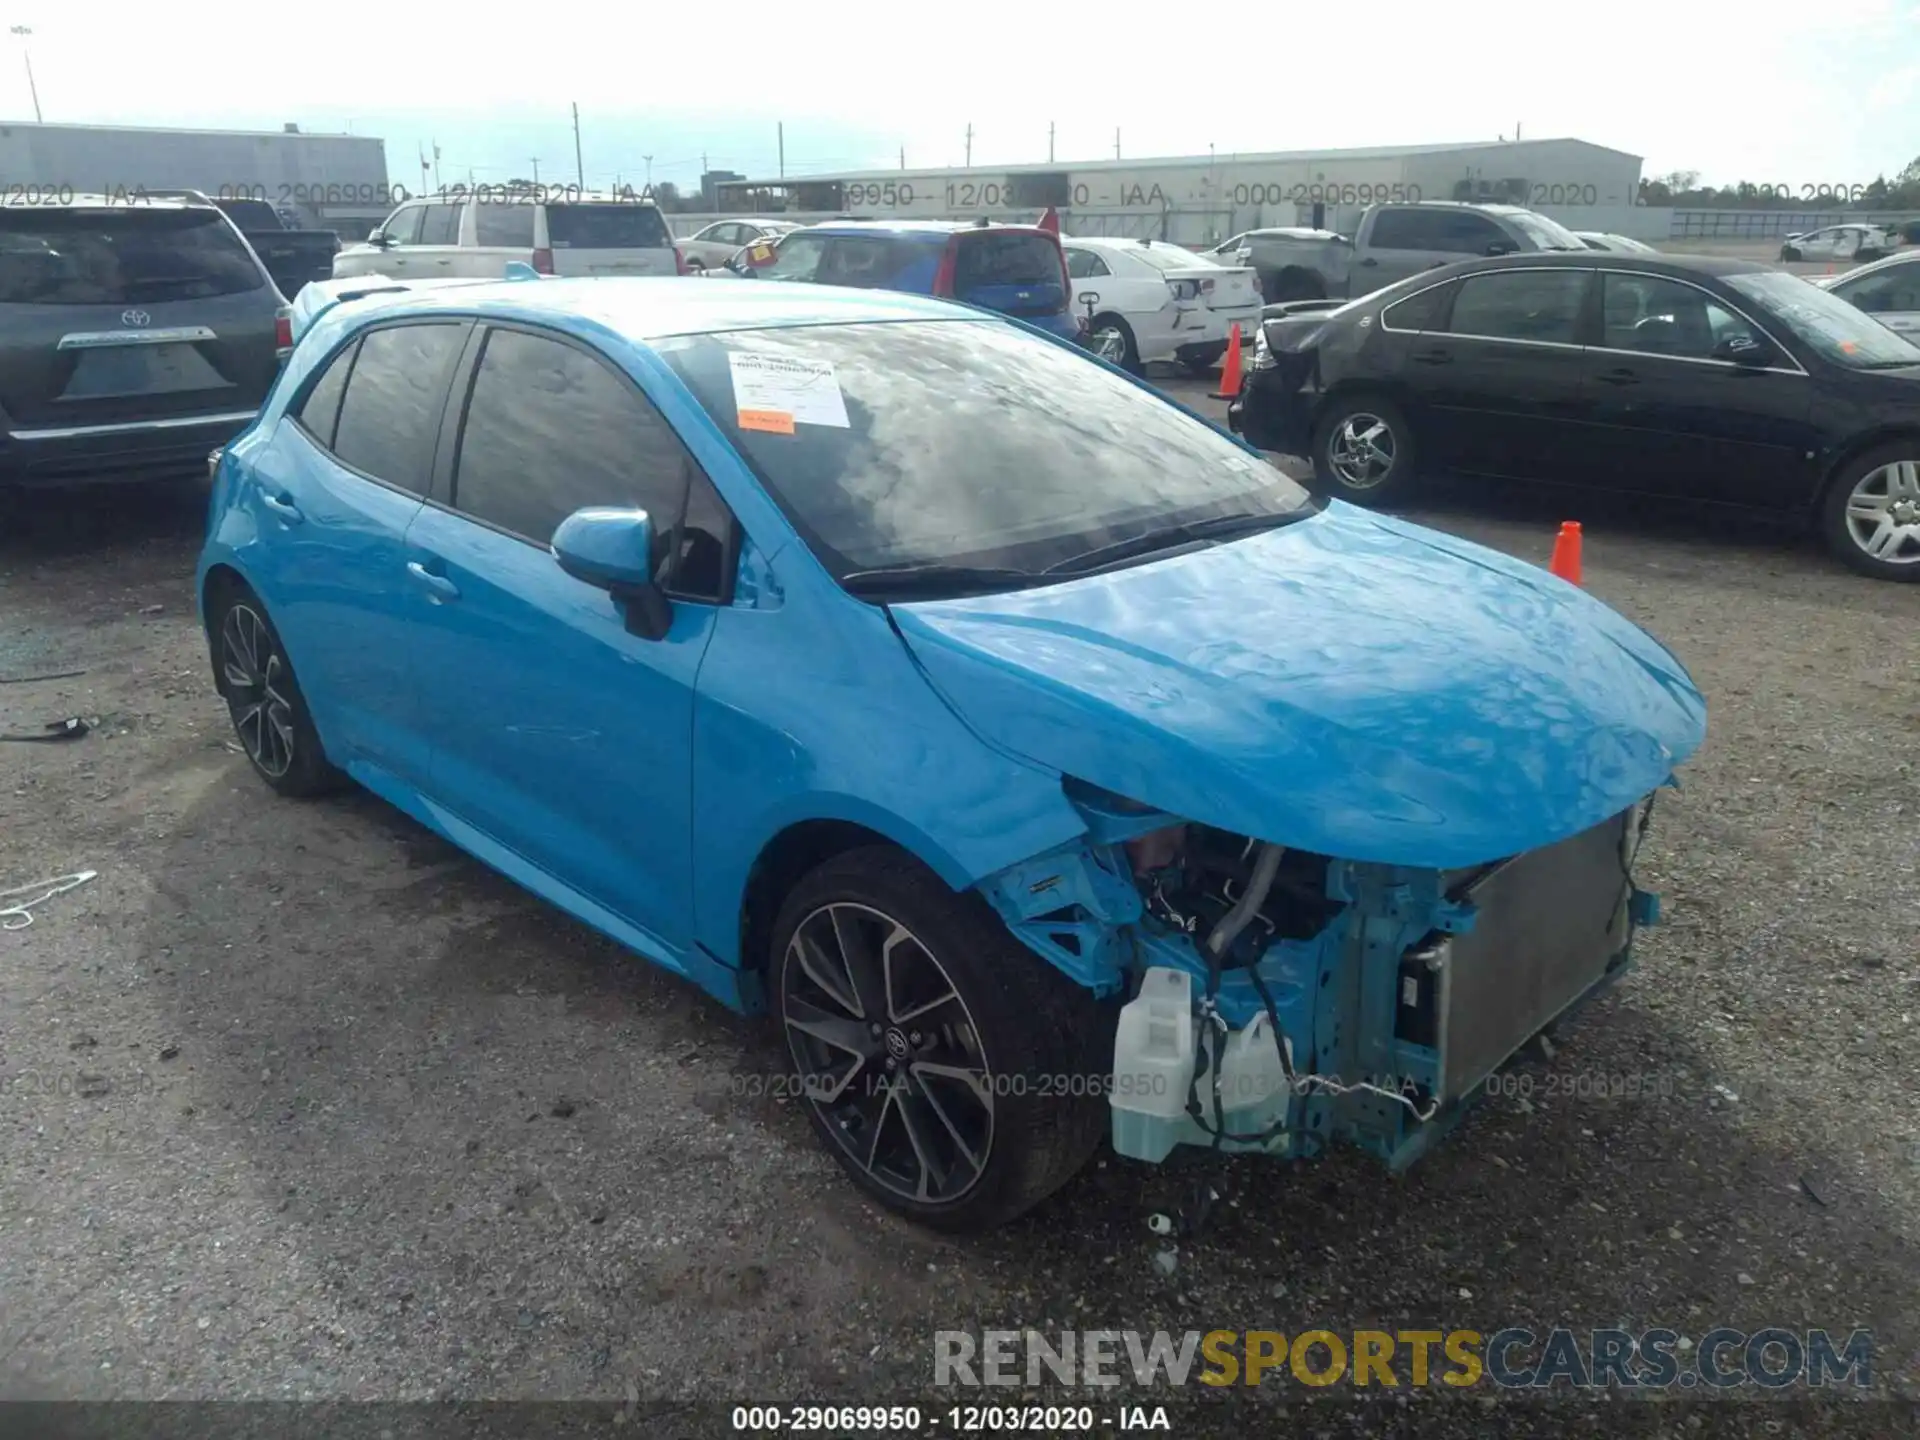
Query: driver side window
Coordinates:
[1890,292]
[403,226]
[1650,315]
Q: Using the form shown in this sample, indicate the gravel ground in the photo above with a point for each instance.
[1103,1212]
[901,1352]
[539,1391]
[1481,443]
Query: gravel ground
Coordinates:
[301,1103]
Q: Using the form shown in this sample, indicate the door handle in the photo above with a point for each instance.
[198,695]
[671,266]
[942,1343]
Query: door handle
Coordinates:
[1433,357]
[283,506]
[1622,376]
[444,260]
[1369,261]
[439,587]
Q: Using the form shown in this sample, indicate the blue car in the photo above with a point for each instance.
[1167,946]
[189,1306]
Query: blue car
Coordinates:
[1049,765]
[1018,270]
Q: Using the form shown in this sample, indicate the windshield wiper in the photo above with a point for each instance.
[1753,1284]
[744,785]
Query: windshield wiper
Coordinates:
[1221,527]
[934,579]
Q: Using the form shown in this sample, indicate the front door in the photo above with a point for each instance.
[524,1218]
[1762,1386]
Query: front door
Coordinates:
[1501,386]
[1676,420]
[563,739]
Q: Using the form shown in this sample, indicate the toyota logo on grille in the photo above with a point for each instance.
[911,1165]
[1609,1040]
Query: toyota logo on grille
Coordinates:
[135,318]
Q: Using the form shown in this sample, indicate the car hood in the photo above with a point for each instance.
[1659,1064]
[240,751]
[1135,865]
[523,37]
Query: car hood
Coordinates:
[1347,684]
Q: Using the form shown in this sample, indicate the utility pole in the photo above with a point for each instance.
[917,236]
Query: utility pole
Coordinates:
[1049,142]
[969,144]
[436,165]
[649,160]
[536,170]
[903,157]
[579,168]
[25,32]
[783,149]
[1116,142]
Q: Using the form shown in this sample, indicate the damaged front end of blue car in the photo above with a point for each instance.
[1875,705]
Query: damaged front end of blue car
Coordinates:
[1282,1000]
[1361,805]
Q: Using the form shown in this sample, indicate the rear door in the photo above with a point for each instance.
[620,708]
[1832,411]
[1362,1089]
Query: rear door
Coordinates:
[130,313]
[1673,419]
[1502,384]
[606,238]
[336,493]
[1017,272]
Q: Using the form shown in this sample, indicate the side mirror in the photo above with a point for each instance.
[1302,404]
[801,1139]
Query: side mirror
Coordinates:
[612,549]
[378,237]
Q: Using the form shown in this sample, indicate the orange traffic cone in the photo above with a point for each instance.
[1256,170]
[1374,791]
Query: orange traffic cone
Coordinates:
[1566,553]
[1050,221]
[1230,372]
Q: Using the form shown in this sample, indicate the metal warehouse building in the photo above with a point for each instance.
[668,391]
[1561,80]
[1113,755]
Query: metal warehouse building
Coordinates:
[327,179]
[1197,199]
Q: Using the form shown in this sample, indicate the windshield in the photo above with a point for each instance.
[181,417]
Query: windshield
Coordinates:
[1547,234]
[120,257]
[1171,257]
[965,443]
[1825,322]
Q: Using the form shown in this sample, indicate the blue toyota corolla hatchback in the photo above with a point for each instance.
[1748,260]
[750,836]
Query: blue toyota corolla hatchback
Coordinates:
[1047,763]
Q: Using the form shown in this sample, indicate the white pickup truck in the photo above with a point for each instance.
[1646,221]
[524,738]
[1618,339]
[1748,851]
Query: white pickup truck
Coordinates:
[1390,243]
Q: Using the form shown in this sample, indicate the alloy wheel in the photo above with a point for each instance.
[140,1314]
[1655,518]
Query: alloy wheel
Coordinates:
[887,1052]
[256,679]
[1110,345]
[1883,513]
[1361,451]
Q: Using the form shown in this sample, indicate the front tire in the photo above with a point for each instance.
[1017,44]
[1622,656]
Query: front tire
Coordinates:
[270,716]
[1871,514]
[1363,451]
[955,1075]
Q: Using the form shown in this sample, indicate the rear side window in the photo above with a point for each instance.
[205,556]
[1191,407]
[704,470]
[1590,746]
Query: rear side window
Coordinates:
[130,256]
[322,405]
[606,227]
[510,225]
[1538,305]
[391,410]
[550,429]
[1406,230]
[990,259]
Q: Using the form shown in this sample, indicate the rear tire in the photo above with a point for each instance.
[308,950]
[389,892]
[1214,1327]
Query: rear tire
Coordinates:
[1363,451]
[1128,356]
[1871,513]
[270,715]
[977,1069]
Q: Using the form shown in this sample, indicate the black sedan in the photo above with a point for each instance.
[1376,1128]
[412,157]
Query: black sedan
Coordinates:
[1704,379]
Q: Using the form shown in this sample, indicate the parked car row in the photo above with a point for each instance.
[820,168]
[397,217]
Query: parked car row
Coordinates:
[1701,379]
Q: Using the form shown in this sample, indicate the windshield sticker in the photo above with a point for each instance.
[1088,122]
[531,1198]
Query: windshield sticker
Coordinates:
[805,392]
[773,422]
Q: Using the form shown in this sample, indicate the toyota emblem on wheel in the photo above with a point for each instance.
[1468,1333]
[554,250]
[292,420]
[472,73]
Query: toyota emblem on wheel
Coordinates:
[134,318]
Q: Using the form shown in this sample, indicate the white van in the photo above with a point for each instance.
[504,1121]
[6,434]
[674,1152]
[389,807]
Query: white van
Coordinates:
[557,230]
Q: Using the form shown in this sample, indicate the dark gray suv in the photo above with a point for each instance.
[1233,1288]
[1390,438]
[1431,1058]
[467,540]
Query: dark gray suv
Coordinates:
[134,338]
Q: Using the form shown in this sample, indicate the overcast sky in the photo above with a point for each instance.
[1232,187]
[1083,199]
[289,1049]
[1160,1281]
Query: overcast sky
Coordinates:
[1786,92]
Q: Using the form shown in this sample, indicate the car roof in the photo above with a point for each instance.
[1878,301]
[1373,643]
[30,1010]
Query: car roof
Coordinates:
[654,307]
[913,227]
[1885,262]
[138,200]
[1657,263]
